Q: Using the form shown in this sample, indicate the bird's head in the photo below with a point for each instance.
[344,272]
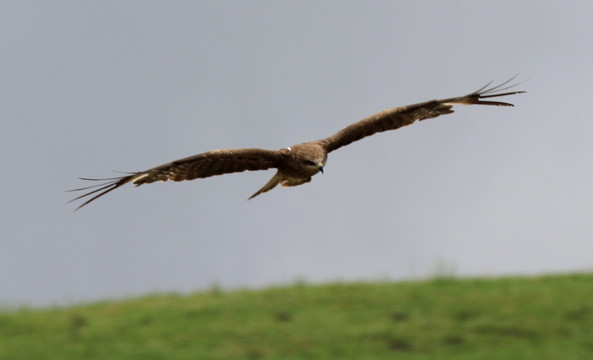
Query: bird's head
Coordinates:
[316,165]
[310,157]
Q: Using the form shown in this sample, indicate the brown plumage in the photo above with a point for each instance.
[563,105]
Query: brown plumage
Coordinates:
[296,164]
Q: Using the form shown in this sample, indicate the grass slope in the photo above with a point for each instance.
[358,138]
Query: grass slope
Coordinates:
[548,317]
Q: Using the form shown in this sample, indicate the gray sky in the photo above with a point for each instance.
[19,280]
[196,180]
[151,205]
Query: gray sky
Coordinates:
[91,87]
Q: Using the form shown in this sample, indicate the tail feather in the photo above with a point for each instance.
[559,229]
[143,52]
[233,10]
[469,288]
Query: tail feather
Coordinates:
[275,180]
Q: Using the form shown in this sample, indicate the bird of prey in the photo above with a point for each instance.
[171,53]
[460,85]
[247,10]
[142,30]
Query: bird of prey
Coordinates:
[295,164]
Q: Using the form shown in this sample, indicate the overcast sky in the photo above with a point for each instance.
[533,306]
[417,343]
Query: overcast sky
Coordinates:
[91,87]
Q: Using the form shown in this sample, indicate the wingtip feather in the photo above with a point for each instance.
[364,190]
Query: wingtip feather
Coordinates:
[102,188]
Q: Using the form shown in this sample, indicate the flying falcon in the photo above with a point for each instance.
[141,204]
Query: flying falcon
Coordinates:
[298,163]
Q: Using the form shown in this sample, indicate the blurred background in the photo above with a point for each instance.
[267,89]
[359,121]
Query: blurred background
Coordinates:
[91,87]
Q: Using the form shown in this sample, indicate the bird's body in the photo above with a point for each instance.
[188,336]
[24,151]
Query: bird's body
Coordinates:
[298,163]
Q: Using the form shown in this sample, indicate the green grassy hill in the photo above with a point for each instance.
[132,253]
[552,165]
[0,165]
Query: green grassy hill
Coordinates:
[548,317]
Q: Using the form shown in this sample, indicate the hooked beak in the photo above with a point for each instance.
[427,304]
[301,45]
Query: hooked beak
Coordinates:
[321,169]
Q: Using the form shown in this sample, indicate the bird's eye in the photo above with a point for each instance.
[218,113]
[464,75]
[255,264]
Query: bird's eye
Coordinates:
[309,162]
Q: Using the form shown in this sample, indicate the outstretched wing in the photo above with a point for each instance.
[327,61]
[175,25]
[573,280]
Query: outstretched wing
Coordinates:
[211,163]
[395,118]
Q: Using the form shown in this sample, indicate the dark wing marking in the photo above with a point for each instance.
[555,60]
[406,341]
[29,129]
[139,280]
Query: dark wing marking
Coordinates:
[211,163]
[395,118]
